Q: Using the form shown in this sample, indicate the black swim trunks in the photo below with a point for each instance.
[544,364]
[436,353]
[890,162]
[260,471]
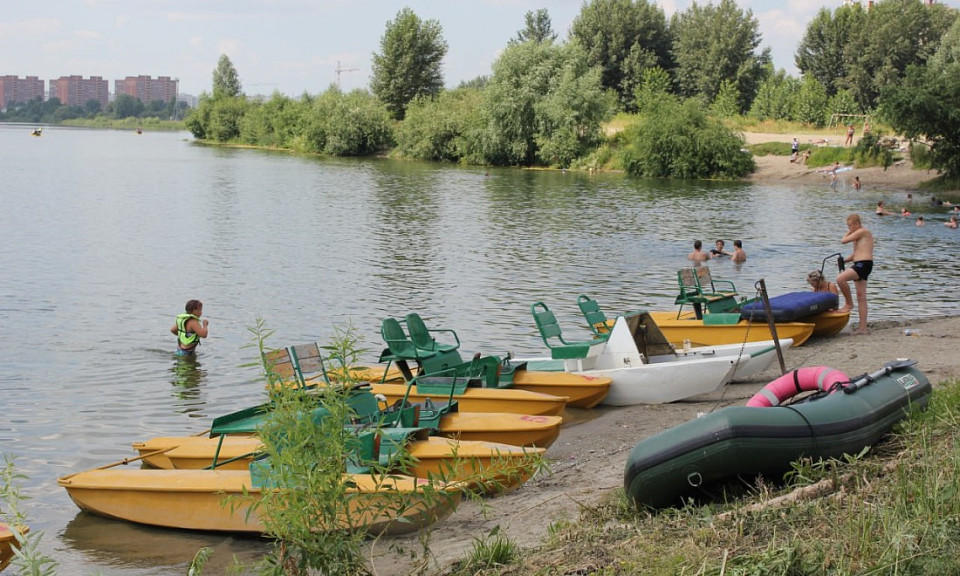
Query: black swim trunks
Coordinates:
[863,268]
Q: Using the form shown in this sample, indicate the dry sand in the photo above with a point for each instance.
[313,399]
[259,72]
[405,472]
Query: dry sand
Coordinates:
[587,461]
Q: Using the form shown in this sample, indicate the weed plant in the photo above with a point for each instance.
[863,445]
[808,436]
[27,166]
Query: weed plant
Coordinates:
[28,558]
[894,510]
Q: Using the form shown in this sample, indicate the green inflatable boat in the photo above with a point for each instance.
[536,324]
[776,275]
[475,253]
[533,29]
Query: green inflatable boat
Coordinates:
[688,459]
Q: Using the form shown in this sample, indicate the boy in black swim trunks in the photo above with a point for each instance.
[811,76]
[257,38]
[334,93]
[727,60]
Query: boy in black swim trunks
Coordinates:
[862,258]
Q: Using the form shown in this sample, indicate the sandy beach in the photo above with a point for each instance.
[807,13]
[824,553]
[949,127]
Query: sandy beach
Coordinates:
[587,461]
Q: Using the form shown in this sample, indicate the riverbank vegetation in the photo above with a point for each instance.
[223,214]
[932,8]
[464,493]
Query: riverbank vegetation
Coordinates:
[548,102]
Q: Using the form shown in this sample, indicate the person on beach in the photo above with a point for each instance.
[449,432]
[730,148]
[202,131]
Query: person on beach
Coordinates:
[862,258]
[820,284]
[795,149]
[719,251]
[738,254]
[189,329]
[849,140]
[698,255]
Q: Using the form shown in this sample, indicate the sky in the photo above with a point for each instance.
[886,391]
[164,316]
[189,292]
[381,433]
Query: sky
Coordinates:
[297,46]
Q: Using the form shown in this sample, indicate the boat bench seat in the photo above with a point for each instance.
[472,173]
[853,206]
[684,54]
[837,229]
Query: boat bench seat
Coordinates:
[552,335]
[699,289]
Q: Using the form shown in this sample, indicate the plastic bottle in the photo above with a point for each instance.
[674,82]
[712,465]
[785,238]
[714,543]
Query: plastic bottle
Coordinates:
[911,332]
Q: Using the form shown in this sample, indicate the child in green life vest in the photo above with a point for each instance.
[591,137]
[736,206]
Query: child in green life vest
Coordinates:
[189,329]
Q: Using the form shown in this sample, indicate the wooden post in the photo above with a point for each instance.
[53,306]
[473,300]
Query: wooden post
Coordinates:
[772,324]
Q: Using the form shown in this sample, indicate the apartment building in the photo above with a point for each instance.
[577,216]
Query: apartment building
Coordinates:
[76,90]
[16,89]
[147,89]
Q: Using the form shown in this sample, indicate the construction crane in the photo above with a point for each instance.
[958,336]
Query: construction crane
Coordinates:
[339,70]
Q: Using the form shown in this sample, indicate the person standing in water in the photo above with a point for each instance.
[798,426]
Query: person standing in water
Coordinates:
[189,329]
[862,258]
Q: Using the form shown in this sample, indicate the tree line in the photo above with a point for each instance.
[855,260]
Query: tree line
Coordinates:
[53,111]
[546,101]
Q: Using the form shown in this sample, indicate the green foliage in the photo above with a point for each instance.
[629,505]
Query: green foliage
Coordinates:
[925,107]
[308,457]
[29,559]
[654,85]
[920,156]
[494,550]
[895,35]
[726,105]
[821,51]
[543,104]
[125,105]
[274,123]
[843,103]
[217,119]
[716,43]
[678,140]
[437,128]
[623,38]
[868,151]
[352,124]
[776,97]
[226,81]
[810,105]
[538,28]
[410,62]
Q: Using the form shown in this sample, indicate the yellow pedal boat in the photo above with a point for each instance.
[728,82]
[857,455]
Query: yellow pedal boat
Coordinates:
[482,465]
[8,542]
[195,500]
[708,333]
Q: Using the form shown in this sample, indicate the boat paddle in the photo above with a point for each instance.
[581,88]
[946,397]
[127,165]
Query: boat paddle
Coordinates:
[887,369]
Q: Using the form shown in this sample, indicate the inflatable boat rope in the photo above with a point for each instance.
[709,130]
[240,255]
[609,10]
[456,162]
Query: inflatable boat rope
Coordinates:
[811,379]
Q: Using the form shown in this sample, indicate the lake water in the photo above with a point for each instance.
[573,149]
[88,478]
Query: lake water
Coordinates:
[104,235]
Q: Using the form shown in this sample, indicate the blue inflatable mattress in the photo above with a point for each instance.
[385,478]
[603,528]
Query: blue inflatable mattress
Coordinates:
[792,307]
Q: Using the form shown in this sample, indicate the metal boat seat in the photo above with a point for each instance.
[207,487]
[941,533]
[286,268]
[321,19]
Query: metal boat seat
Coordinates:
[692,284]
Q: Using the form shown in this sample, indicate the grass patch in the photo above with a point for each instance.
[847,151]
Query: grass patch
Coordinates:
[897,512]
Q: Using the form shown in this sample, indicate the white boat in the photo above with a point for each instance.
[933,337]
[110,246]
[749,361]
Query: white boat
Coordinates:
[645,368]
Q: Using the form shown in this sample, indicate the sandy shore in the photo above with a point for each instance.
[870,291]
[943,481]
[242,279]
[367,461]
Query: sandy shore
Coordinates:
[900,176]
[587,461]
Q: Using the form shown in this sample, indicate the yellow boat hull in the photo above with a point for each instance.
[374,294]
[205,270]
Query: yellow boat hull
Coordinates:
[479,464]
[8,542]
[687,327]
[829,323]
[503,427]
[580,391]
[197,500]
[483,399]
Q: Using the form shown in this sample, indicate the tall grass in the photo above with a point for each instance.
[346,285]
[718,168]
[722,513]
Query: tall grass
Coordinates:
[894,509]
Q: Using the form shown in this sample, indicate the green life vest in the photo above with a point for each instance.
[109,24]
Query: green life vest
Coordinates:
[187,340]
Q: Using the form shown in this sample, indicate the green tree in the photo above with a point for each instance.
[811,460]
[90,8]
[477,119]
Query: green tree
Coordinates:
[654,84]
[91,107]
[775,97]
[716,43]
[437,128]
[543,103]
[924,107]
[126,106]
[678,140]
[822,51]
[896,34]
[538,28]
[810,104]
[623,38]
[226,82]
[409,63]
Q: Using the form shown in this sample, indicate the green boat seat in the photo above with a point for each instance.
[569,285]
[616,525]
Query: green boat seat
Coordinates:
[422,337]
[552,335]
[596,319]
[400,348]
[697,288]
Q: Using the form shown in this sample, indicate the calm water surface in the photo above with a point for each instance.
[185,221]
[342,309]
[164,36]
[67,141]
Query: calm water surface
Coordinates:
[104,235]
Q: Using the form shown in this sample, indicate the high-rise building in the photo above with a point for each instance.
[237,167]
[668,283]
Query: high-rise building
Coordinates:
[16,89]
[147,89]
[76,90]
